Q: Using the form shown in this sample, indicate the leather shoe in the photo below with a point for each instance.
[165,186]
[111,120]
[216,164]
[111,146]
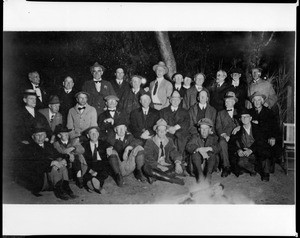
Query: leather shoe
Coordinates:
[177,181]
[225,172]
[253,173]
[139,176]
[79,182]
[265,177]
[37,194]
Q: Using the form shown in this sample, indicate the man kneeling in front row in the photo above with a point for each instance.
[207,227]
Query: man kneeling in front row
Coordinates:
[43,168]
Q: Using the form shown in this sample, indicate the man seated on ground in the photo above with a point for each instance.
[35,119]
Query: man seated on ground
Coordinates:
[178,120]
[52,114]
[74,150]
[81,116]
[162,160]
[107,118]
[43,168]
[143,119]
[204,148]
[225,124]
[99,165]
[252,151]
[126,149]
[200,110]
[265,119]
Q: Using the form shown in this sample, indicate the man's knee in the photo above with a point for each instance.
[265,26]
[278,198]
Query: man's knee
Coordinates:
[196,157]
[140,160]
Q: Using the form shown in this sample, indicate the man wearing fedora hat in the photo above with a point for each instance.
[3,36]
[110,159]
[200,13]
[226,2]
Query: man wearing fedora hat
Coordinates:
[190,97]
[251,152]
[100,163]
[239,87]
[29,117]
[52,114]
[203,148]
[261,86]
[142,120]
[162,160]
[73,148]
[98,88]
[44,168]
[178,120]
[81,116]
[200,110]
[107,118]
[226,122]
[265,119]
[160,88]
[126,148]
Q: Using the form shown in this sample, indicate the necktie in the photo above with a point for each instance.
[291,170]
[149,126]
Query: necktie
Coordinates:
[162,149]
[155,88]
[52,117]
[95,153]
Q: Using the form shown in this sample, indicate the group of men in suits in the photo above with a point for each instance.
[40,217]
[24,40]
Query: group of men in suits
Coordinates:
[99,111]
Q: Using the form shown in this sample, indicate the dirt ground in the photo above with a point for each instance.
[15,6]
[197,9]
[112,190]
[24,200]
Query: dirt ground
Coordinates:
[242,190]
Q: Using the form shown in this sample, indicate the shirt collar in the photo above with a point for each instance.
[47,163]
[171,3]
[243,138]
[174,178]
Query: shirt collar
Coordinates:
[174,108]
[98,80]
[93,144]
[198,87]
[202,105]
[134,91]
[67,90]
[34,85]
[119,138]
[159,79]
[145,110]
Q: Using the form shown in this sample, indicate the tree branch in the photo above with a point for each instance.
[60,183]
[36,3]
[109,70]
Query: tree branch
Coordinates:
[270,38]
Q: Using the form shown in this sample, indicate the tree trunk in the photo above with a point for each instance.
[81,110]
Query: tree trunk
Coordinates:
[166,52]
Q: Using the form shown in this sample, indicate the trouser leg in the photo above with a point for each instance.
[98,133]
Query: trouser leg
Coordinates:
[197,161]
[224,152]
[115,165]
[210,166]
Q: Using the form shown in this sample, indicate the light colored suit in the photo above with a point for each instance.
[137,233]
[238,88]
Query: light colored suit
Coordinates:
[164,90]
[78,122]
[58,119]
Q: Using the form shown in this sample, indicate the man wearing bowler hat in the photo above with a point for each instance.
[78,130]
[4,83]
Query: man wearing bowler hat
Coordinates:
[107,118]
[98,88]
[160,88]
[52,114]
[226,122]
[29,117]
[81,116]
[71,147]
[203,148]
[44,168]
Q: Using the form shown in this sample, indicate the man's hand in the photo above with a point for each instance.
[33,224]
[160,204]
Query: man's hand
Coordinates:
[69,150]
[109,151]
[235,130]
[93,173]
[71,158]
[178,168]
[266,104]
[172,130]
[255,121]
[272,141]
[56,164]
[25,142]
[109,120]
[241,153]
[247,152]
[146,135]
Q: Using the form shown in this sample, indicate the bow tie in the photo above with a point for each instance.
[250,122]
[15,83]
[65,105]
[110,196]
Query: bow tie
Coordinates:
[97,81]
[228,110]
[112,110]
[81,108]
[36,86]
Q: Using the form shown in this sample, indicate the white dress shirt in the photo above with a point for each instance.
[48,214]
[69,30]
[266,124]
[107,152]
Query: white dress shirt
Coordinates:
[155,98]
[92,149]
[202,106]
[30,110]
[97,85]
[37,91]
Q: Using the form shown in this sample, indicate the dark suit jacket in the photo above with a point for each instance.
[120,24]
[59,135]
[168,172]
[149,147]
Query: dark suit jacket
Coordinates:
[139,124]
[210,113]
[26,122]
[105,127]
[130,101]
[56,120]
[196,141]
[241,93]
[35,162]
[120,89]
[266,122]
[217,95]
[225,124]
[190,97]
[96,99]
[182,93]
[180,117]
[67,101]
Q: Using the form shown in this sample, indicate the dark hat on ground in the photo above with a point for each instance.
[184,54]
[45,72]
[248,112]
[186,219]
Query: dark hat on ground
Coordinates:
[97,65]
[60,128]
[160,122]
[86,131]
[236,70]
[230,94]
[161,64]
[82,92]
[120,121]
[205,121]
[28,92]
[257,94]
[53,99]
[113,97]
[243,111]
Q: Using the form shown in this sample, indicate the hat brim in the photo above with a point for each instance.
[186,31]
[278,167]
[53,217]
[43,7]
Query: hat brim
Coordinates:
[258,95]
[86,131]
[235,99]
[87,94]
[165,68]
[155,126]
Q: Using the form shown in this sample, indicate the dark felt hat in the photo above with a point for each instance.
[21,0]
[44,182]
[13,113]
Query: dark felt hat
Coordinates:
[54,99]
[38,128]
[205,121]
[236,70]
[161,64]
[257,94]
[28,92]
[120,121]
[86,131]
[97,65]
[243,111]
[230,94]
[60,128]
